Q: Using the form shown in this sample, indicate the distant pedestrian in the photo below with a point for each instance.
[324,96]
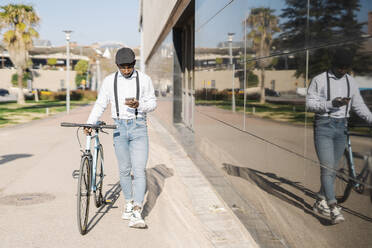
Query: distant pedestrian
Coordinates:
[131,95]
[331,95]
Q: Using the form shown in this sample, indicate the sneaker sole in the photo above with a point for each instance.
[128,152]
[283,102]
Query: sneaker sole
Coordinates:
[138,225]
[337,221]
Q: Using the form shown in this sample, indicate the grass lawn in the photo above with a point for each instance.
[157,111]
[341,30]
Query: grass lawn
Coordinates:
[279,112]
[13,113]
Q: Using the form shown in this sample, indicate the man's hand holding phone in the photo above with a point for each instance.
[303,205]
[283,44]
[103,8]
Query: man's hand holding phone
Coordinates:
[131,102]
[340,101]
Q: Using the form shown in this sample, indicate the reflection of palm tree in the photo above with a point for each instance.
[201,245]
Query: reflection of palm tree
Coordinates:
[263,25]
[20,19]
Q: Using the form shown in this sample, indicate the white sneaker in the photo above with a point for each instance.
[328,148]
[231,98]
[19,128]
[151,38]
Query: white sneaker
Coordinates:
[128,211]
[136,220]
[336,215]
[321,207]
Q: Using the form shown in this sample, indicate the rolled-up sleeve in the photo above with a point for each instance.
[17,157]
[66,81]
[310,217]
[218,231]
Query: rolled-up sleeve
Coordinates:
[147,102]
[100,105]
[360,108]
[315,102]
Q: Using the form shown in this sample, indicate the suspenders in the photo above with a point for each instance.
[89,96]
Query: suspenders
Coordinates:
[116,93]
[329,91]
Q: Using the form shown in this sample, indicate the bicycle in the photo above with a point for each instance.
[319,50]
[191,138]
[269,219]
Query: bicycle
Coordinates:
[349,176]
[90,175]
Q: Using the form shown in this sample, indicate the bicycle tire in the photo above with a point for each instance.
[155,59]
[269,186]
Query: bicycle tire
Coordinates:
[343,184]
[83,194]
[98,197]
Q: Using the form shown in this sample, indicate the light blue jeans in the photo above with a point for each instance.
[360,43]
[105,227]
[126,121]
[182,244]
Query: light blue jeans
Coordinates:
[131,148]
[330,143]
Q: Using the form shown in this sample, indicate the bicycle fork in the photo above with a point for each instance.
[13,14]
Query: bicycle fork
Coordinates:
[363,174]
[92,160]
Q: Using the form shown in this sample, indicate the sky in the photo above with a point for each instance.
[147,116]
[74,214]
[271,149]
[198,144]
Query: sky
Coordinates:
[90,20]
[211,32]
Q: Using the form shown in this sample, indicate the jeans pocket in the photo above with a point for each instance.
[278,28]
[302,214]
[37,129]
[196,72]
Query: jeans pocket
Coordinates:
[116,133]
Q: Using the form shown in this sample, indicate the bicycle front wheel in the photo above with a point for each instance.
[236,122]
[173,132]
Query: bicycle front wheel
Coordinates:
[98,197]
[343,184]
[83,195]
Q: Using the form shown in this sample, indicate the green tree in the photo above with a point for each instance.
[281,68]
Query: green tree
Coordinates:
[81,69]
[26,76]
[329,21]
[19,20]
[52,62]
[263,25]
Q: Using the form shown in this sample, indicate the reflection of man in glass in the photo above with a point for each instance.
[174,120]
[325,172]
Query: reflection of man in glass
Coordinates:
[331,95]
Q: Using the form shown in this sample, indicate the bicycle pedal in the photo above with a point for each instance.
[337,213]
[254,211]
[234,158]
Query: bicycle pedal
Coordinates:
[75,174]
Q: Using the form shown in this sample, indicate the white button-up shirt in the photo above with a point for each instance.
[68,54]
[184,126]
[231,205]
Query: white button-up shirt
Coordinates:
[126,88]
[316,99]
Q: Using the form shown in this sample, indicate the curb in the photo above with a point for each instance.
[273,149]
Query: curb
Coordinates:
[222,228]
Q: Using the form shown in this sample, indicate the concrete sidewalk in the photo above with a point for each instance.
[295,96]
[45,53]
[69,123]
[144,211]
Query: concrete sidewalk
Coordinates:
[38,193]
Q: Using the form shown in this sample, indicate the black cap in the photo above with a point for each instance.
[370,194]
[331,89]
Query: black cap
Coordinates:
[342,58]
[125,55]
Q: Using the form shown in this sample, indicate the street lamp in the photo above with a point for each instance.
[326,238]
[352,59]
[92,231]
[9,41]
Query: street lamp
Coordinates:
[68,33]
[230,38]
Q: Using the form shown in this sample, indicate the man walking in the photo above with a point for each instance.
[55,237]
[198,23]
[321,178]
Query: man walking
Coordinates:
[131,95]
[331,95]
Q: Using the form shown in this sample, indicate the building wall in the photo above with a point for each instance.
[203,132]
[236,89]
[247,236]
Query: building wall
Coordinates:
[155,15]
[272,142]
[44,79]
[285,80]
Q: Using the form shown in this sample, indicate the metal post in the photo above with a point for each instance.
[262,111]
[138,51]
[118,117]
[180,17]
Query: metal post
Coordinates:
[230,38]
[98,76]
[307,43]
[68,33]
[245,69]
[233,88]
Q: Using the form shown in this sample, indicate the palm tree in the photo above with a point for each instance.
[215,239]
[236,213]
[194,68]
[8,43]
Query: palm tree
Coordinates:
[20,21]
[263,25]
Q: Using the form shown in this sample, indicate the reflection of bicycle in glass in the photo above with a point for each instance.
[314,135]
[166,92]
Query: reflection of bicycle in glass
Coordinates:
[354,177]
[90,174]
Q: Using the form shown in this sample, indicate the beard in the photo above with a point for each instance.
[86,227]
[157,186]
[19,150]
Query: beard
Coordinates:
[128,75]
[337,74]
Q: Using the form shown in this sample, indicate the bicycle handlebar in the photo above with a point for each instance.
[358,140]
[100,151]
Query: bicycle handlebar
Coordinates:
[93,126]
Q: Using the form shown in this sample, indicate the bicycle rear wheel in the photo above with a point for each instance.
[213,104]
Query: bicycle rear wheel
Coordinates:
[83,195]
[98,198]
[342,183]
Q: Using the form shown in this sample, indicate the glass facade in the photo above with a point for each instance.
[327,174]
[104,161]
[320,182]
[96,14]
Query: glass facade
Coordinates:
[244,97]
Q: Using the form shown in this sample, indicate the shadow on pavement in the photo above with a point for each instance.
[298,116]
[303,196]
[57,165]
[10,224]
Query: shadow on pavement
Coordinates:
[10,157]
[155,184]
[112,195]
[274,189]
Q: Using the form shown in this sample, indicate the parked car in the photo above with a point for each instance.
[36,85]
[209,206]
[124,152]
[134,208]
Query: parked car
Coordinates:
[4,92]
[270,92]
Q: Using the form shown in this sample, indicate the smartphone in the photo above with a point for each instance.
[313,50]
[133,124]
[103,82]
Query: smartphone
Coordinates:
[346,99]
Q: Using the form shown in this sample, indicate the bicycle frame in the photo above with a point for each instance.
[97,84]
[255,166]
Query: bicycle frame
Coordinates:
[365,171]
[93,158]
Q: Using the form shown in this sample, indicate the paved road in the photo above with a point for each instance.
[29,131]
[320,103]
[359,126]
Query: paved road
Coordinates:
[8,98]
[276,180]
[289,180]
[38,202]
